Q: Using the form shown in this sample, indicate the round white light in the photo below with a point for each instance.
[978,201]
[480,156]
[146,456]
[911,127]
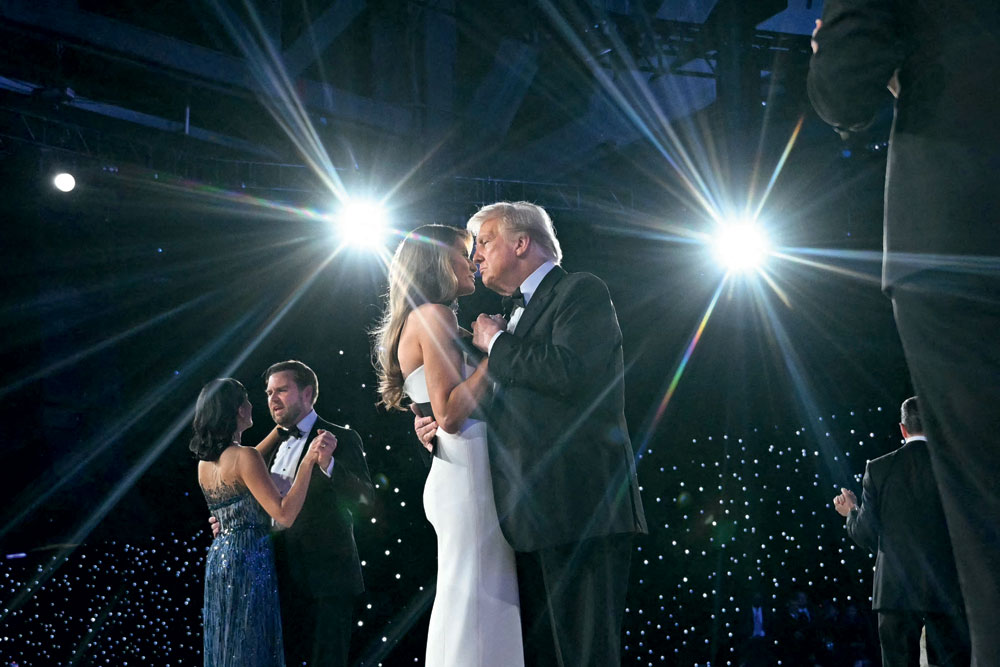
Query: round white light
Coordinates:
[64,182]
[741,246]
[362,223]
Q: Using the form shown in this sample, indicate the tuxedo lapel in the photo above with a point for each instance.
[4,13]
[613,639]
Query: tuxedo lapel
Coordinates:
[309,438]
[539,300]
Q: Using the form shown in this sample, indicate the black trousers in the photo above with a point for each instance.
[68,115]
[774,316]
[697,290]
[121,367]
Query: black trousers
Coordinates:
[573,602]
[899,635]
[949,324]
[316,631]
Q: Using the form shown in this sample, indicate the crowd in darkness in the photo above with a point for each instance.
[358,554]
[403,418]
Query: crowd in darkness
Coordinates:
[798,632]
[731,516]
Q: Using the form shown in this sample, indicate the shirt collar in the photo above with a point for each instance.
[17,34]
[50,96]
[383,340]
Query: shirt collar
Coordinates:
[306,423]
[915,437]
[532,282]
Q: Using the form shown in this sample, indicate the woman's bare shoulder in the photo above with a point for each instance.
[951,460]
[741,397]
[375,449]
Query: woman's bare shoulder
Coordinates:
[436,309]
[245,453]
[433,317]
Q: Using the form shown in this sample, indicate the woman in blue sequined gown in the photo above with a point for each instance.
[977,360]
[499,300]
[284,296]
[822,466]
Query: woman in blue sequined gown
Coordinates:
[241,613]
[475,620]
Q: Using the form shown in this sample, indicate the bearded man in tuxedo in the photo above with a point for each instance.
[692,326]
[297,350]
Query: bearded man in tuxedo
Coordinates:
[319,572]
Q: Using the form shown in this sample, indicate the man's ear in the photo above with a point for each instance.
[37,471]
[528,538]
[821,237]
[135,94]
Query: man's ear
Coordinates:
[309,394]
[522,245]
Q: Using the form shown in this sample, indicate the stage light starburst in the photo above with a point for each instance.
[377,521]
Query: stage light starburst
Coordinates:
[741,246]
[362,223]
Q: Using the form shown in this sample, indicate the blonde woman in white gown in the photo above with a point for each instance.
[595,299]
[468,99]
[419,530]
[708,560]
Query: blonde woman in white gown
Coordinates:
[475,620]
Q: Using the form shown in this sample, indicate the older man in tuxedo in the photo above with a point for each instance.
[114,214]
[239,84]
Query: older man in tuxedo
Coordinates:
[942,242]
[562,464]
[916,585]
[319,573]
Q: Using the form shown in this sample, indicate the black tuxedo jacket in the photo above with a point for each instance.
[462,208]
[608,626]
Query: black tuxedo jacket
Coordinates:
[941,199]
[317,556]
[560,454]
[901,520]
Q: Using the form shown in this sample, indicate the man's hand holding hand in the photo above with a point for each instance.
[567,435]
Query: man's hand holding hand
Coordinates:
[425,428]
[326,443]
[484,328]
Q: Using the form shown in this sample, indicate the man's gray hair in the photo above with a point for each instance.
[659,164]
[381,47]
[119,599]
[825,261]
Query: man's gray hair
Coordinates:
[909,416]
[521,216]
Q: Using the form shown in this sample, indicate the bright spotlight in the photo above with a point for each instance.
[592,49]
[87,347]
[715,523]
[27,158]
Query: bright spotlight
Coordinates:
[64,182]
[362,223]
[741,246]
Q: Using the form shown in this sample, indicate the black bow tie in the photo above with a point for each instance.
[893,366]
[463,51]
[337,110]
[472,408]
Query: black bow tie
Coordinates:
[515,300]
[286,433]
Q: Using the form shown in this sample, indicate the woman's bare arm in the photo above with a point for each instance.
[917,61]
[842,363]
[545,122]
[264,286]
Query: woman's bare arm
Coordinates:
[251,469]
[452,398]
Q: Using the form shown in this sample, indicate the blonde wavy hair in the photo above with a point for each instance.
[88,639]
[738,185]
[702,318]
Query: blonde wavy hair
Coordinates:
[420,272]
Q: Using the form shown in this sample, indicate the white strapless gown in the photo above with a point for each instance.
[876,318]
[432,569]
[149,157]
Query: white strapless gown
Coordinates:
[476,618]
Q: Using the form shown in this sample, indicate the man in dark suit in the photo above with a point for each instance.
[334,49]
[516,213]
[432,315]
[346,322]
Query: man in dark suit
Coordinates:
[562,465]
[942,239]
[916,585]
[319,573]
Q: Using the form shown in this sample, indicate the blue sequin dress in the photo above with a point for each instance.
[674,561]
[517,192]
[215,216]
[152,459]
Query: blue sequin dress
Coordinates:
[241,614]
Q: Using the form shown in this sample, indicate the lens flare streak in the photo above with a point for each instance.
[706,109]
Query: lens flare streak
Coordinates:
[104,344]
[871,256]
[675,381]
[778,167]
[279,96]
[166,439]
[781,294]
[833,453]
[687,171]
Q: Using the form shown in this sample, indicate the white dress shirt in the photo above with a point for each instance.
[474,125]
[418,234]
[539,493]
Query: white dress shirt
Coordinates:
[528,288]
[286,461]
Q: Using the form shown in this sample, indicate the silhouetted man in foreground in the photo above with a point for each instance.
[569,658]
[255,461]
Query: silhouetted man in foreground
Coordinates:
[942,241]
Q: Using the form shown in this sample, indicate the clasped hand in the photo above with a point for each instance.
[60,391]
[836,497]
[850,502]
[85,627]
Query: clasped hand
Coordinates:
[484,328]
[426,429]
[323,446]
[320,452]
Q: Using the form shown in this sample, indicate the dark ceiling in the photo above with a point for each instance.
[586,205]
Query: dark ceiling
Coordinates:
[533,91]
[627,120]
